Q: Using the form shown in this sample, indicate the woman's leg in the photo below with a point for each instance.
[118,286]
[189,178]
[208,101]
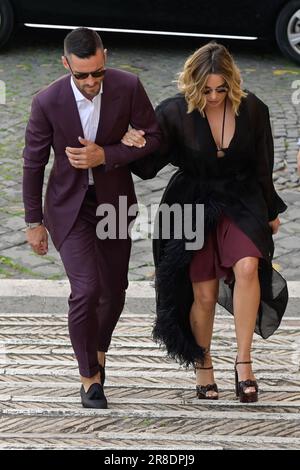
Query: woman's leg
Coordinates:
[202,320]
[246,300]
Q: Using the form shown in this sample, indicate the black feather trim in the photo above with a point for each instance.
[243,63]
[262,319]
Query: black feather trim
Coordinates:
[172,326]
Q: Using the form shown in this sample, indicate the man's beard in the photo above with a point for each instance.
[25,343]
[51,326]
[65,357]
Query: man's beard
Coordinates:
[91,91]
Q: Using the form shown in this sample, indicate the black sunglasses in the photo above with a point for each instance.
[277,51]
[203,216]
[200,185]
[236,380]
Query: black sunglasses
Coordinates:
[84,75]
[220,89]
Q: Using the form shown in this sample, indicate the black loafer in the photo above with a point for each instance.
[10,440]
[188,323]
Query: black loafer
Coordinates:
[94,397]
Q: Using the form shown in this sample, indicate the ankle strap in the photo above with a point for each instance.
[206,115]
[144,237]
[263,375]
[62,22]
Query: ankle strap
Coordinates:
[242,362]
[203,368]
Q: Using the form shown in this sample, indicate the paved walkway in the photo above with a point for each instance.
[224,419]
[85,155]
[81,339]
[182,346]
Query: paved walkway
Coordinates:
[152,402]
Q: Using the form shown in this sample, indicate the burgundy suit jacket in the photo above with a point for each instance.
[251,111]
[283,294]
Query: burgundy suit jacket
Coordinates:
[55,122]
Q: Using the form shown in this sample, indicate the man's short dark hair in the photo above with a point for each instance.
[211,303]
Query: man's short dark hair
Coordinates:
[82,42]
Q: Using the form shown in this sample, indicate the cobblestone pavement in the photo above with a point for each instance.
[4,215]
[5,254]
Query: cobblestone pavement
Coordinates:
[33,60]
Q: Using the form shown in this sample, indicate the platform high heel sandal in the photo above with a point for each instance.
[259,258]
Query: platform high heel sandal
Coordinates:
[241,386]
[202,390]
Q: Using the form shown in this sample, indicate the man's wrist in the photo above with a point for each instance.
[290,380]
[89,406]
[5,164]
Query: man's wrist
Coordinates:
[33,224]
[101,156]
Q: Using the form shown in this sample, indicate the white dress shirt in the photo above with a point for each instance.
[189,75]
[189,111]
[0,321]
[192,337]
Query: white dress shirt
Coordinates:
[89,112]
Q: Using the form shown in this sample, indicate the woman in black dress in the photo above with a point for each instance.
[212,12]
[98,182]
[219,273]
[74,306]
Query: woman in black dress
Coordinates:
[219,136]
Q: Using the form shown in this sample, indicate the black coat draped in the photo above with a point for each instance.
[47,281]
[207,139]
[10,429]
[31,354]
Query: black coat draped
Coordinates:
[238,185]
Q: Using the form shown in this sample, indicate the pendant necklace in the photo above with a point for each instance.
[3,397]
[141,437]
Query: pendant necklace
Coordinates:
[220,150]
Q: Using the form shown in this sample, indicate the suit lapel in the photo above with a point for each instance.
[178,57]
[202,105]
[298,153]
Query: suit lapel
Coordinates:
[68,114]
[109,110]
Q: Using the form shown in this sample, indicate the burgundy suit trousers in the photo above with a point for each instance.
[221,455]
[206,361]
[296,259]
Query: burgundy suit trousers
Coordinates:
[97,271]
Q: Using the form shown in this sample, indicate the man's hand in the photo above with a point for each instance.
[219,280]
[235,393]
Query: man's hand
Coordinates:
[134,138]
[274,224]
[88,156]
[38,239]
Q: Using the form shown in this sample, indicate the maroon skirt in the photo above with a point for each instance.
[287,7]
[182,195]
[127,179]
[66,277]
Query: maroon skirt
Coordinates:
[226,245]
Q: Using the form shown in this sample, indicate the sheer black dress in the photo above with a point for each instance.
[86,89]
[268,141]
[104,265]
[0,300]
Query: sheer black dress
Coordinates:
[238,186]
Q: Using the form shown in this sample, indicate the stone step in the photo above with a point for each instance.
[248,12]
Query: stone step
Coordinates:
[47,288]
[144,441]
[133,321]
[107,445]
[168,369]
[186,391]
[289,341]
[135,403]
[56,346]
[196,423]
[130,327]
[136,379]
[162,374]
[143,358]
[127,317]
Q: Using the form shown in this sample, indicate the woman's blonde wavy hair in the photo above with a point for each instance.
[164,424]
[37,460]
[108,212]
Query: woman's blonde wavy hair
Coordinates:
[213,58]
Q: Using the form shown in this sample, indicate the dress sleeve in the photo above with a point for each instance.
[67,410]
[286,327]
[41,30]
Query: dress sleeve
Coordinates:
[264,149]
[148,167]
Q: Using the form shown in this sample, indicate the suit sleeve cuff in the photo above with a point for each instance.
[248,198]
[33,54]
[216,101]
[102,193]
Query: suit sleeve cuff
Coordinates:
[110,158]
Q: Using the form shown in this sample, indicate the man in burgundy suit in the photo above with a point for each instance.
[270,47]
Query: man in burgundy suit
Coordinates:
[83,117]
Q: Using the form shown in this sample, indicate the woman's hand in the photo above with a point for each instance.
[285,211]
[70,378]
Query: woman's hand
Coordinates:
[274,224]
[134,138]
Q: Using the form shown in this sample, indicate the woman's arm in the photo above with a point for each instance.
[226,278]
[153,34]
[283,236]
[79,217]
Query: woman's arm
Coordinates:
[265,162]
[149,166]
